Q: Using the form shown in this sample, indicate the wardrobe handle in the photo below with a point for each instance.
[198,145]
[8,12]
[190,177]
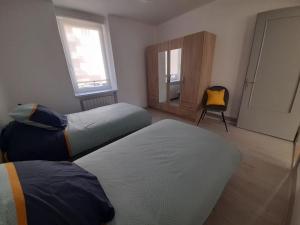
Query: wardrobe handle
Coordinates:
[295,95]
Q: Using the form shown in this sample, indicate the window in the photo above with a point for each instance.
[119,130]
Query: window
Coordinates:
[86,55]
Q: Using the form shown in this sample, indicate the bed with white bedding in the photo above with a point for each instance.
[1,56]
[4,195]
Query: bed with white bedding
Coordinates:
[96,127]
[84,132]
[169,173]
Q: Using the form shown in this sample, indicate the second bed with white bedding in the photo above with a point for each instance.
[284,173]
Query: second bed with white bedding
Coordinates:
[96,127]
[169,173]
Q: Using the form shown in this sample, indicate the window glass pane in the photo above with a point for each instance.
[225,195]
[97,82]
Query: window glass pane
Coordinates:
[86,55]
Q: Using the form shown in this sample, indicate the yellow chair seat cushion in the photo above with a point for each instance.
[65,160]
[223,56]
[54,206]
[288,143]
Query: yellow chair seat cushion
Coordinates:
[215,97]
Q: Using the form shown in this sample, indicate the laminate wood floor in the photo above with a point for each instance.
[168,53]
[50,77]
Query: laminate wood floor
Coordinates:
[259,191]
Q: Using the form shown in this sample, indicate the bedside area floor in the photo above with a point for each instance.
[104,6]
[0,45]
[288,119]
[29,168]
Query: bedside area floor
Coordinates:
[261,190]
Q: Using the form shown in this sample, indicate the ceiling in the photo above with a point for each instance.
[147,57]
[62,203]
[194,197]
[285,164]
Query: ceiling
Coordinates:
[148,11]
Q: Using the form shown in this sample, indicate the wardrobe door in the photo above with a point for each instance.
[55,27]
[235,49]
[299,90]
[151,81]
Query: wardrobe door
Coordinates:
[209,41]
[152,75]
[191,70]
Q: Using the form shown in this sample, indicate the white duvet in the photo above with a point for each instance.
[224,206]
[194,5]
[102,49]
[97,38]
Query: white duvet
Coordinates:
[169,173]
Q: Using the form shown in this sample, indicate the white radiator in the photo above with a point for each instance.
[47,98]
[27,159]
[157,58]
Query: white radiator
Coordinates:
[97,100]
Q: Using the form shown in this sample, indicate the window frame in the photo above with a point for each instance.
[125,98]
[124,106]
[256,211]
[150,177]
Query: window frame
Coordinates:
[88,21]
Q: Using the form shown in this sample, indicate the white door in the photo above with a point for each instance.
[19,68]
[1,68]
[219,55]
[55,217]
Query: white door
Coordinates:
[271,99]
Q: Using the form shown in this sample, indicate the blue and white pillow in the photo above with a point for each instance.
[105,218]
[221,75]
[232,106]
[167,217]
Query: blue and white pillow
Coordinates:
[39,116]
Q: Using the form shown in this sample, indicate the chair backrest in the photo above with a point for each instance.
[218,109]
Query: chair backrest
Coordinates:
[217,88]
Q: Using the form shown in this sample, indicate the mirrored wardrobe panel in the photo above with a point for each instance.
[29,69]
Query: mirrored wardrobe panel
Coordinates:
[175,76]
[178,72]
[169,76]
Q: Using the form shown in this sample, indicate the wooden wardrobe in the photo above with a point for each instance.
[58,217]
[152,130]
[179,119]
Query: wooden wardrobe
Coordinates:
[178,72]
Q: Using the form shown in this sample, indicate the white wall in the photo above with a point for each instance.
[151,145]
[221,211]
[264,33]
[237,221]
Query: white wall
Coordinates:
[34,68]
[129,39]
[233,22]
[32,61]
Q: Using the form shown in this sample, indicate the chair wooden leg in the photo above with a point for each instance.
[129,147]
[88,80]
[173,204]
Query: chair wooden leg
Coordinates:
[201,117]
[223,117]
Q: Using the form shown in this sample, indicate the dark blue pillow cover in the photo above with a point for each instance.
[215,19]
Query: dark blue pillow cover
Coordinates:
[40,116]
[48,193]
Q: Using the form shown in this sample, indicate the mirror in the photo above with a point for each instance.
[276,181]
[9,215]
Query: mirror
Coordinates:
[169,76]
[175,76]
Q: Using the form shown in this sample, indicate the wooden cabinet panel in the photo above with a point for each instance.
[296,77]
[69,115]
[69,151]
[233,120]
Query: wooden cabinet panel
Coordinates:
[191,69]
[176,43]
[163,46]
[209,40]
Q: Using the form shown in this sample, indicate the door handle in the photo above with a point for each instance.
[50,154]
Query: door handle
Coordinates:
[247,83]
[251,91]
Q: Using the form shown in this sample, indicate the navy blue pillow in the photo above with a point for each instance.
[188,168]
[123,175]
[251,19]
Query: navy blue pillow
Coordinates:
[39,116]
[59,193]
[22,142]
